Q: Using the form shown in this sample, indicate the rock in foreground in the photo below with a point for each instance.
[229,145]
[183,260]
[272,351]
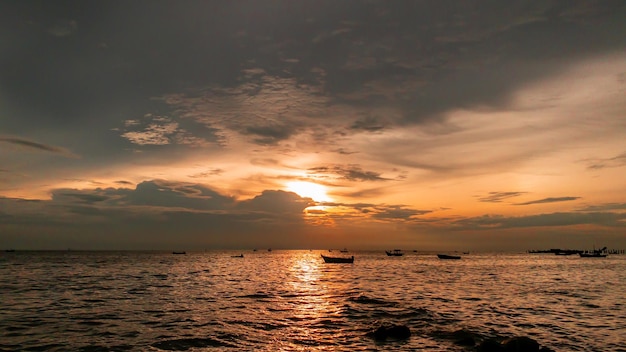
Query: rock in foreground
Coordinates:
[398,332]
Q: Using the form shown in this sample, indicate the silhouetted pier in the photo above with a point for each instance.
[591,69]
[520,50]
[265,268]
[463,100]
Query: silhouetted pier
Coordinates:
[559,251]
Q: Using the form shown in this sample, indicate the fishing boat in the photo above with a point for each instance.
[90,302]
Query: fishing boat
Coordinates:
[592,255]
[447,256]
[175,252]
[395,253]
[237,256]
[595,253]
[345,250]
[328,259]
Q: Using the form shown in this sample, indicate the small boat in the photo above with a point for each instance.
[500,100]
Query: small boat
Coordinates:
[595,253]
[395,253]
[328,259]
[175,252]
[592,255]
[237,256]
[10,250]
[447,256]
[345,250]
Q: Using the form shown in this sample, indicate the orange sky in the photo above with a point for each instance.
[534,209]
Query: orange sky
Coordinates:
[437,126]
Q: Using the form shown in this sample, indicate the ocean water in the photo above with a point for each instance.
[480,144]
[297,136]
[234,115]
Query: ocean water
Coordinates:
[292,301]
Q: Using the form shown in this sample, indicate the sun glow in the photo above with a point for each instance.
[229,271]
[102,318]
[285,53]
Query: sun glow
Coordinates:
[309,190]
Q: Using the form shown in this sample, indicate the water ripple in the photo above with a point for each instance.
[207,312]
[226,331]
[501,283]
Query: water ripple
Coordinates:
[291,301]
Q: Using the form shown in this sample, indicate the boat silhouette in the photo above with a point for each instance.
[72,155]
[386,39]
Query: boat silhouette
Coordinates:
[328,259]
[395,253]
[447,256]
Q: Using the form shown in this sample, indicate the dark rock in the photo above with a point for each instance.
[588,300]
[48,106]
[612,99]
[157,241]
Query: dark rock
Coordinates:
[490,345]
[380,334]
[546,349]
[189,343]
[399,332]
[463,338]
[520,344]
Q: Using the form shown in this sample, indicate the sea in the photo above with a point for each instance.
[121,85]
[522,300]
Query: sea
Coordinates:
[290,300]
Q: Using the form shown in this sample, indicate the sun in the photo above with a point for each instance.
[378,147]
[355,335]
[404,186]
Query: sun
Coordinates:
[309,190]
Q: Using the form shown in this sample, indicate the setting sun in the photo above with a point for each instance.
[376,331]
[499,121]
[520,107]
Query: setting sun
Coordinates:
[308,189]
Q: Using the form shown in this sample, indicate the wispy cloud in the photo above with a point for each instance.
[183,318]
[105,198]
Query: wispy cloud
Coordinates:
[497,197]
[262,108]
[616,161]
[604,207]
[347,172]
[549,200]
[543,220]
[31,145]
[369,211]
[368,123]
[209,172]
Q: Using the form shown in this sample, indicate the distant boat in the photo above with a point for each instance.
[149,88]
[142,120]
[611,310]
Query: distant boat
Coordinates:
[328,259]
[596,253]
[446,256]
[237,256]
[175,252]
[9,250]
[345,250]
[592,255]
[395,253]
[465,252]
[269,249]
[567,252]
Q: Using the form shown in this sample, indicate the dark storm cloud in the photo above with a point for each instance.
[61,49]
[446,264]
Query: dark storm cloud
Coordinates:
[174,194]
[160,214]
[422,59]
[276,201]
[478,53]
[266,80]
[497,197]
[84,198]
[156,193]
[549,200]
[155,214]
[272,70]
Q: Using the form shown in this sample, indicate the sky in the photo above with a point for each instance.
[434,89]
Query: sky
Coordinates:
[420,125]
